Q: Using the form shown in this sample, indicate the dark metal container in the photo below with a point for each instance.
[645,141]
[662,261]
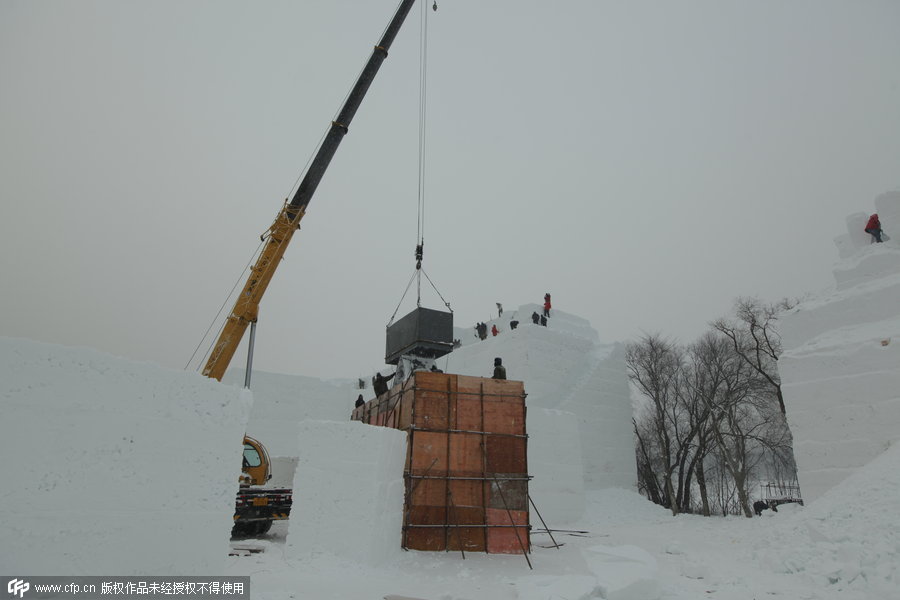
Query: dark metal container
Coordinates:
[423,332]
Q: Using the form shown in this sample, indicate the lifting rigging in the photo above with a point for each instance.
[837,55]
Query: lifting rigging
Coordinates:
[420,208]
[422,335]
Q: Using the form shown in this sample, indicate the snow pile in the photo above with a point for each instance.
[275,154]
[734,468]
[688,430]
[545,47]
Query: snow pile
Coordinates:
[841,365]
[849,539]
[113,466]
[348,501]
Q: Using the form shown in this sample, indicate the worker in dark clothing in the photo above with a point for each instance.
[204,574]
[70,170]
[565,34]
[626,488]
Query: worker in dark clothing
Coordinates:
[543,320]
[379,383]
[499,369]
[513,324]
[535,318]
[359,401]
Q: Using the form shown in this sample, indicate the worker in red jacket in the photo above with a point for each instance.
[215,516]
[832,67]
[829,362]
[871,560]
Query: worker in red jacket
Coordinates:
[494,330]
[873,227]
[546,305]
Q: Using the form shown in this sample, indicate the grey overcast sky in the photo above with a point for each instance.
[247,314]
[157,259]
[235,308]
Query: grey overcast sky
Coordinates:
[644,162]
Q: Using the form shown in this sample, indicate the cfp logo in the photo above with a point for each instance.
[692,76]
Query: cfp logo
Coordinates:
[18,587]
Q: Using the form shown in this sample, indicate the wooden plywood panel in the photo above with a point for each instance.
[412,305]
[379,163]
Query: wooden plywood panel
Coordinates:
[467,492]
[504,415]
[427,492]
[432,410]
[427,515]
[405,409]
[466,454]
[508,493]
[507,540]
[503,387]
[470,539]
[435,406]
[468,402]
[429,452]
[505,454]
[427,539]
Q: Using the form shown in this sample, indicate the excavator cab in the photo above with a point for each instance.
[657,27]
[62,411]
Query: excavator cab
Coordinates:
[256,468]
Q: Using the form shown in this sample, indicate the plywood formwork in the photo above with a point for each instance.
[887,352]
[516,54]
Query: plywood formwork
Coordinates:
[466,469]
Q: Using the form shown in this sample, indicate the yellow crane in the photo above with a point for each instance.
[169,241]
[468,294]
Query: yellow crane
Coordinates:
[278,236]
[256,509]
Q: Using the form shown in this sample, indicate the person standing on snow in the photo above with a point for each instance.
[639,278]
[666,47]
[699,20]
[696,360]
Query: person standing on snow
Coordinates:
[873,227]
[494,330]
[499,369]
[546,305]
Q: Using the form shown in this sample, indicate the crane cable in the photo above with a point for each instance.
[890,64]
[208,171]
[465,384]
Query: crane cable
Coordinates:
[420,197]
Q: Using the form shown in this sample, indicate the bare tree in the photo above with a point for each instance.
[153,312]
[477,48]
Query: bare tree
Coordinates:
[737,415]
[755,338]
[647,462]
[654,366]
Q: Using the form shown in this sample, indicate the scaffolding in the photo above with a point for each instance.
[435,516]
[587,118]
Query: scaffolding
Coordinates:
[466,471]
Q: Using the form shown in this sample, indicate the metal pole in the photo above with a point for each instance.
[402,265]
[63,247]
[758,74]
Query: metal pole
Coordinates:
[533,505]
[513,522]
[250,354]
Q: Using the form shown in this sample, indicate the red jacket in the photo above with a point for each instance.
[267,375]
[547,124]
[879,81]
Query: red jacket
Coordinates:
[873,223]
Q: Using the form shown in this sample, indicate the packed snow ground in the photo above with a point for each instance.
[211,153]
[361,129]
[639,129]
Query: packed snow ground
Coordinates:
[118,467]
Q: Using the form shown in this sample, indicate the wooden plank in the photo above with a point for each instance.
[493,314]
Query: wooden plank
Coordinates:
[508,493]
[505,454]
[429,451]
[504,415]
[503,540]
[465,454]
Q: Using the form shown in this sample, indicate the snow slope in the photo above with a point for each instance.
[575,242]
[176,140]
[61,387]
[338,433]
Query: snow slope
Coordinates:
[841,365]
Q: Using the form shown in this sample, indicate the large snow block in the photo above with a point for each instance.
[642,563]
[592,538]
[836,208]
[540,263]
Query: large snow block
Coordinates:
[348,492]
[281,401]
[109,462]
[557,486]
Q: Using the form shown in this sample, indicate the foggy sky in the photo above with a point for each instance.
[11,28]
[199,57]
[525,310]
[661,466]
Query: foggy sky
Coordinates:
[644,162]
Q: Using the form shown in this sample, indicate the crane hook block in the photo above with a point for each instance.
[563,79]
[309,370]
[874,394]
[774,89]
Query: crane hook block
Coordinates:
[419,253]
[434,6]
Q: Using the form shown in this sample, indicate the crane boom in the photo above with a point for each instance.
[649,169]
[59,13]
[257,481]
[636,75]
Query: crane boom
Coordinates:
[246,307]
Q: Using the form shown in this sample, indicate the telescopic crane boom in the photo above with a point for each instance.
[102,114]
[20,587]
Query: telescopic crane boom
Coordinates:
[246,308]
